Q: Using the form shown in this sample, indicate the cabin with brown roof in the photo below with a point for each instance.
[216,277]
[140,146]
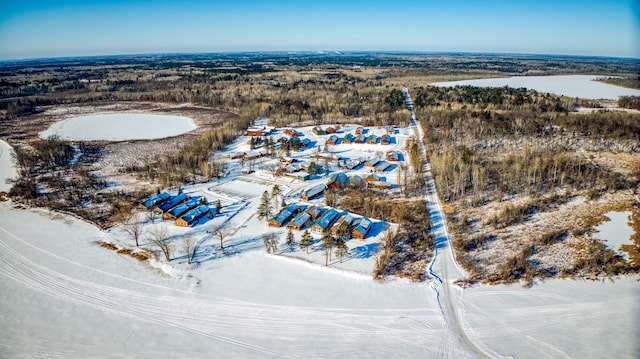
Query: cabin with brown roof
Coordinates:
[256,131]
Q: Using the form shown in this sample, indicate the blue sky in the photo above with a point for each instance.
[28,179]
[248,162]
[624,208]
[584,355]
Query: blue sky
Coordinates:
[31,29]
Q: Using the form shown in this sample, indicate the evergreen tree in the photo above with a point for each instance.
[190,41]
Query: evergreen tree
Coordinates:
[290,241]
[306,241]
[264,210]
[341,249]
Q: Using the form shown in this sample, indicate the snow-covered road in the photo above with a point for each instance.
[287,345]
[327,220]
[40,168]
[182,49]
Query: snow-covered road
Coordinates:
[444,268]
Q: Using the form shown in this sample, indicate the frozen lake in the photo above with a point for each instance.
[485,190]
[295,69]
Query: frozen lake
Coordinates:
[581,86]
[120,127]
[616,231]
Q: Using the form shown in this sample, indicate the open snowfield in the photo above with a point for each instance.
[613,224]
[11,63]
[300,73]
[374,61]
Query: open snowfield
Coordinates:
[581,86]
[120,127]
[7,170]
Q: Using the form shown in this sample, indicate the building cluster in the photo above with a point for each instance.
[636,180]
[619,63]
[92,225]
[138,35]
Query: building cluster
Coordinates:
[322,220]
[181,208]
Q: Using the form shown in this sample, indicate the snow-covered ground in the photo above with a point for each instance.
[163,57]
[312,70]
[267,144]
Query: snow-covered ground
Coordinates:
[581,86]
[7,170]
[62,295]
[120,127]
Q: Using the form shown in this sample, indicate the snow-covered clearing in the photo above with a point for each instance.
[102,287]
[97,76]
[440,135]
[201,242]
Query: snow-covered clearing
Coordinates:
[616,231]
[120,127]
[581,86]
[62,295]
[7,169]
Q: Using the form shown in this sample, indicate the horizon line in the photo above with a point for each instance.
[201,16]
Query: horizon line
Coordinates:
[313,52]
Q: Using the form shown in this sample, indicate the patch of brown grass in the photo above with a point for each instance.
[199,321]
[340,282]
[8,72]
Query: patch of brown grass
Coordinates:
[108,246]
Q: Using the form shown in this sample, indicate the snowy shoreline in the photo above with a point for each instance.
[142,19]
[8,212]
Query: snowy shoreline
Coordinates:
[581,86]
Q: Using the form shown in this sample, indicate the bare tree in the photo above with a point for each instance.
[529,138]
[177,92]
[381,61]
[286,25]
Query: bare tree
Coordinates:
[133,228]
[160,238]
[222,231]
[270,242]
[189,247]
[152,214]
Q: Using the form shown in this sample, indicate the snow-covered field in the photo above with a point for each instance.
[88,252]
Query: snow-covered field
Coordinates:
[581,86]
[120,127]
[62,295]
[7,170]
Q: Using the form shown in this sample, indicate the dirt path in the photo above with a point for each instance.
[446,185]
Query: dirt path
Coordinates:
[444,269]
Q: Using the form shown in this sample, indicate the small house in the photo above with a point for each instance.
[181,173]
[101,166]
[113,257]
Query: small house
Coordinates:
[348,138]
[312,192]
[372,140]
[179,210]
[353,163]
[192,217]
[393,156]
[286,214]
[374,178]
[172,202]
[255,131]
[383,166]
[315,212]
[331,130]
[338,181]
[337,222]
[359,130]
[292,133]
[372,162]
[332,140]
[386,139]
[299,175]
[155,200]
[301,221]
[318,131]
[346,225]
[361,138]
[324,223]
[362,229]
[305,143]
[357,182]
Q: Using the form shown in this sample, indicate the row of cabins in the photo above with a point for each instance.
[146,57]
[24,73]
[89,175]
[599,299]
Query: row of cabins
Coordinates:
[330,220]
[181,208]
[339,181]
[360,138]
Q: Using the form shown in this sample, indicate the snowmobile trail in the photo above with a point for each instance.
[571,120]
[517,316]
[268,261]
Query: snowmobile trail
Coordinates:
[444,268]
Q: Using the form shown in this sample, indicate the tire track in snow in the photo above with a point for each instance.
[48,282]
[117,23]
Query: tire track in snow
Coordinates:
[443,262]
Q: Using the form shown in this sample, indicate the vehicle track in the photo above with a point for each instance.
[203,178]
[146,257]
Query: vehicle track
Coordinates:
[443,267]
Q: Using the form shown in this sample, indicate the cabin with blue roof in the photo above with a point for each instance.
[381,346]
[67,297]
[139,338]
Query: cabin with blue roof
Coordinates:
[301,221]
[324,223]
[172,202]
[180,209]
[190,218]
[363,228]
[286,214]
[156,200]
